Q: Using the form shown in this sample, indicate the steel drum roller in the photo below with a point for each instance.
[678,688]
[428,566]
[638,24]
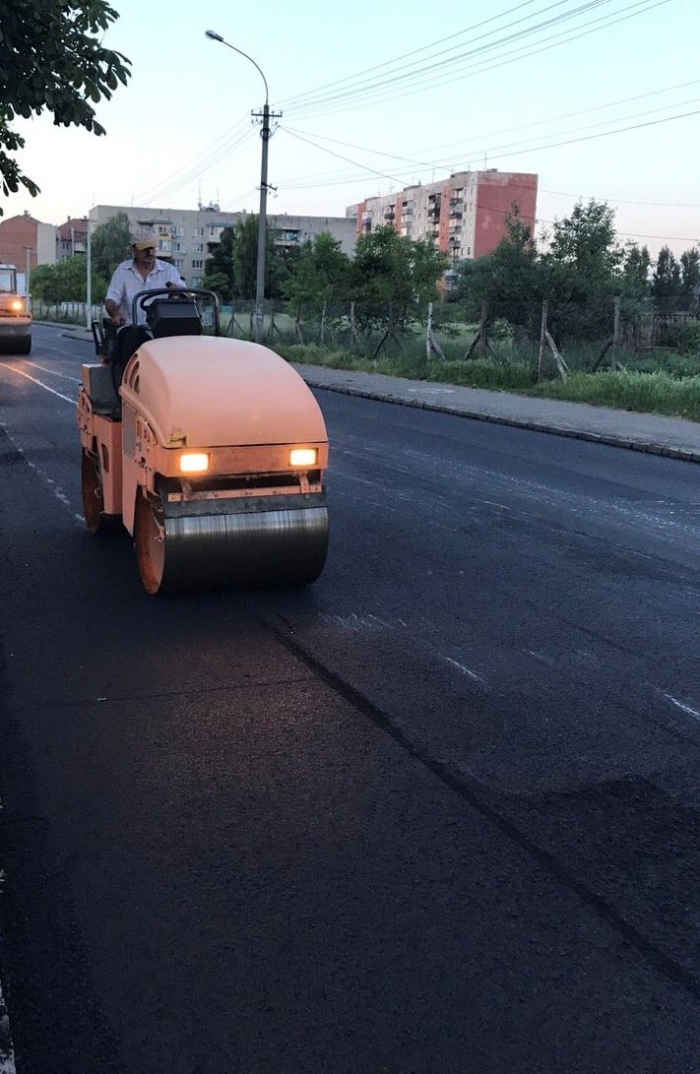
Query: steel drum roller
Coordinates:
[177,546]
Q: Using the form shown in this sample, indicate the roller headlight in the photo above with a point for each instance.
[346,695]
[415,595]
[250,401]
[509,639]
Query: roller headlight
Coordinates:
[303,457]
[194,463]
[17,305]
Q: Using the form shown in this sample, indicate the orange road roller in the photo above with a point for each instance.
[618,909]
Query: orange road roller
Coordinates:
[211,451]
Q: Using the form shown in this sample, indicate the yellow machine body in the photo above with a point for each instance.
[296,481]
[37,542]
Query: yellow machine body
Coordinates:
[15,314]
[214,457]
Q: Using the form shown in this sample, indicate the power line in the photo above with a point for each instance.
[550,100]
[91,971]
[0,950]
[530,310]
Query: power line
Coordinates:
[229,138]
[551,145]
[482,66]
[471,152]
[405,55]
[370,85]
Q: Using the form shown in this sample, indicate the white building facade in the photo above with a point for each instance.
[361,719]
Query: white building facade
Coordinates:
[188,237]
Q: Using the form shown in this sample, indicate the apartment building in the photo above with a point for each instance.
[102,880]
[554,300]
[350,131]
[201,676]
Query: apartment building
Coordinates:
[188,237]
[465,215]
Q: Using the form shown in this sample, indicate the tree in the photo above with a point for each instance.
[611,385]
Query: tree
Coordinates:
[581,271]
[321,275]
[690,272]
[393,277]
[66,281]
[635,271]
[110,244]
[219,275]
[506,281]
[52,58]
[245,256]
[666,281]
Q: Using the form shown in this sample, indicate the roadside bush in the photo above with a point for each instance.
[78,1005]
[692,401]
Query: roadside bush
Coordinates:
[685,338]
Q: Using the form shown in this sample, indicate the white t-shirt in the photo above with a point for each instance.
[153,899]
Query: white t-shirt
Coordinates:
[127,281]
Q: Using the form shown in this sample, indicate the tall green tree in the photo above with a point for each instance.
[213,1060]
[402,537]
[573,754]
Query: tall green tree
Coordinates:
[321,275]
[66,281]
[52,59]
[110,244]
[581,271]
[690,272]
[635,271]
[220,271]
[393,278]
[666,281]
[507,281]
[245,257]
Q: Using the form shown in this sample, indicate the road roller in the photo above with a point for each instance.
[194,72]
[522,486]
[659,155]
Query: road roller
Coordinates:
[210,451]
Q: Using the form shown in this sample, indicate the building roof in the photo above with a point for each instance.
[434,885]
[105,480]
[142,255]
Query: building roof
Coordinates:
[75,224]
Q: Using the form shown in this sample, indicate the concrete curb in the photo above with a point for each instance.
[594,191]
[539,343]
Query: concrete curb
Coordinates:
[627,443]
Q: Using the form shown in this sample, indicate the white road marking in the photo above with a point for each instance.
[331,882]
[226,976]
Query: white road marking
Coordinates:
[53,391]
[56,489]
[684,708]
[54,373]
[460,667]
[492,503]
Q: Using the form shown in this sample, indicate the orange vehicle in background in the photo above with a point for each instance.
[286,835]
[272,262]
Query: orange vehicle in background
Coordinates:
[15,314]
[211,452]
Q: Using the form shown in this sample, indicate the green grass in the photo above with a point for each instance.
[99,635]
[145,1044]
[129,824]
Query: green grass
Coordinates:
[658,382]
[649,393]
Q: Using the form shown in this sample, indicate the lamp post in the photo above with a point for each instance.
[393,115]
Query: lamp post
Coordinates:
[262,219]
[88,279]
[28,257]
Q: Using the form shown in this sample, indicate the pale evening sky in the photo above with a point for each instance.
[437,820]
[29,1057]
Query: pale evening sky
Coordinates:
[600,97]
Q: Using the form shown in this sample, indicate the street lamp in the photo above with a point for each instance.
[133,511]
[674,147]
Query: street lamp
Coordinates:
[28,250]
[88,278]
[262,219]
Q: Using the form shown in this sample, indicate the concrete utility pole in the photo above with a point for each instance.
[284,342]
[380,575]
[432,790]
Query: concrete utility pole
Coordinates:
[28,269]
[262,228]
[262,219]
[88,288]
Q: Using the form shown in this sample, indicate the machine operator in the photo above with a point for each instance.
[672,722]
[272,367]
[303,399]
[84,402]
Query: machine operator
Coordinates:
[143,272]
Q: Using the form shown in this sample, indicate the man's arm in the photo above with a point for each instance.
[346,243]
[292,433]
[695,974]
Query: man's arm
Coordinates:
[113,299]
[114,312]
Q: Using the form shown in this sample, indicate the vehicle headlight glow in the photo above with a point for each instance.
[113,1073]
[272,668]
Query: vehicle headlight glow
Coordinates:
[194,463]
[303,456]
[16,304]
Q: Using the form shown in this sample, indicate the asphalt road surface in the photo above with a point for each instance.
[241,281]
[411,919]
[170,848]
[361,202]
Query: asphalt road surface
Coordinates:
[436,814]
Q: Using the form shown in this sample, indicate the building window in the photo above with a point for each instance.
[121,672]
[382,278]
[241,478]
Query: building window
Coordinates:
[197,232]
[197,264]
[198,248]
[196,281]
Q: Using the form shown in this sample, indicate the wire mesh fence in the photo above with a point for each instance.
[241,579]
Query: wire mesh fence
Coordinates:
[585,335]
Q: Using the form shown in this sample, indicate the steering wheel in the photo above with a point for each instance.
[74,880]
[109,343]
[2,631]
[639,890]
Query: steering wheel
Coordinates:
[144,300]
